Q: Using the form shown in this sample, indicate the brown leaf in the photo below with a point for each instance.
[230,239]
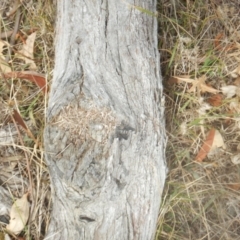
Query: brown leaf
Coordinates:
[237,82]
[215,100]
[35,77]
[217,40]
[235,186]
[18,119]
[206,146]
[172,80]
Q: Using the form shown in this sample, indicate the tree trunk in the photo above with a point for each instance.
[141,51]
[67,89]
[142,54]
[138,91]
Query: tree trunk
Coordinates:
[105,132]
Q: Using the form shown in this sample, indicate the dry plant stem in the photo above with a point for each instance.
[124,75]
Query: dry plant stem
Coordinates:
[15,30]
[29,174]
[27,159]
[1,20]
[4,78]
[17,177]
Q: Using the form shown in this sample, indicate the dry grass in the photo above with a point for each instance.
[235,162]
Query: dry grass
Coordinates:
[196,38]
[201,199]
[22,163]
[92,122]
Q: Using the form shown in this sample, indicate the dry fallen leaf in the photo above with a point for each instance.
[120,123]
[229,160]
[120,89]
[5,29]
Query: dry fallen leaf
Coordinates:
[236,72]
[19,215]
[200,85]
[229,91]
[206,146]
[235,186]
[35,77]
[217,141]
[172,80]
[215,100]
[234,107]
[27,51]
[4,67]
[237,82]
[16,116]
[213,140]
[218,40]
[197,84]
[6,237]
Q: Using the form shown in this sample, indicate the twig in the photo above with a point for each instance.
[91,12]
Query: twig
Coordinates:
[13,37]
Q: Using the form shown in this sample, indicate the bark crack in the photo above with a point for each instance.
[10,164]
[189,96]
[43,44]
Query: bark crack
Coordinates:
[121,69]
[106,26]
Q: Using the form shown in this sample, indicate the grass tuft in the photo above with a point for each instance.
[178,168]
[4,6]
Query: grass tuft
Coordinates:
[200,199]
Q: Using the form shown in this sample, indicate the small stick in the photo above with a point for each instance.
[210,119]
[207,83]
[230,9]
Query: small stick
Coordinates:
[15,30]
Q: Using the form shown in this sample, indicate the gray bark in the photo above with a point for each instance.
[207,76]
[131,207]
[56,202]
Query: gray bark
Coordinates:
[105,132]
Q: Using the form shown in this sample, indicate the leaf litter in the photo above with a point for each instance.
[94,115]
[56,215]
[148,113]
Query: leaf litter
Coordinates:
[19,215]
[26,59]
[26,53]
[200,59]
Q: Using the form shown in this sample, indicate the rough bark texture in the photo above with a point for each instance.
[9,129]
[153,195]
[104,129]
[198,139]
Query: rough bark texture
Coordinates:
[105,133]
